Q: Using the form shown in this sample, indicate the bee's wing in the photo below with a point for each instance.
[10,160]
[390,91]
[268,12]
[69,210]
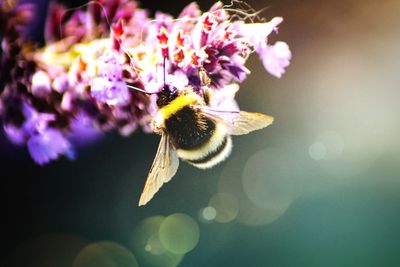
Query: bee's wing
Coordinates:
[164,166]
[239,122]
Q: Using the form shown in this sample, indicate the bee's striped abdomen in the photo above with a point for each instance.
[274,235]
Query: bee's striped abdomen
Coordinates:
[215,150]
[214,157]
[211,155]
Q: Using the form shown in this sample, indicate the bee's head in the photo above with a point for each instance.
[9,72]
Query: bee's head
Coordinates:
[166,95]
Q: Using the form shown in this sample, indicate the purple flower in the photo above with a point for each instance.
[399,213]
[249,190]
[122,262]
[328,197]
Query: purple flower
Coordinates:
[112,92]
[276,58]
[257,33]
[77,86]
[43,140]
[44,143]
[41,84]
[83,130]
[60,83]
[109,87]
[35,122]
[225,99]
[15,135]
[49,145]
[178,79]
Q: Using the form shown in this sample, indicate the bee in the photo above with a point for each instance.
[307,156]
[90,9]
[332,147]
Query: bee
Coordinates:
[193,132]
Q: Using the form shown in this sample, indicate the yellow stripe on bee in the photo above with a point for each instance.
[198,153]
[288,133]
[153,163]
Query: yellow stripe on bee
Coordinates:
[177,104]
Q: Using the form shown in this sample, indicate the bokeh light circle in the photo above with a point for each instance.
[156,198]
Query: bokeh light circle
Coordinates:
[329,145]
[208,214]
[105,254]
[226,206]
[268,181]
[154,246]
[231,182]
[148,248]
[317,151]
[333,143]
[179,233]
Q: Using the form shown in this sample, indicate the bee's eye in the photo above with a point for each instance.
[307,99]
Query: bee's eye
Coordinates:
[173,89]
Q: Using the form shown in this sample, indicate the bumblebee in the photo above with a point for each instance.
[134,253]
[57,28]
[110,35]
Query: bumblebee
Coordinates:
[194,132]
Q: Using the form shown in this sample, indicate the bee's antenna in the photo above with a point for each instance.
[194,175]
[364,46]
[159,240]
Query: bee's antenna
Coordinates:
[165,58]
[140,90]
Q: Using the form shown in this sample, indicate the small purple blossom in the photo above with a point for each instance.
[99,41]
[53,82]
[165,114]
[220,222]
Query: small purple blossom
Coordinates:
[276,58]
[109,87]
[41,84]
[112,92]
[49,145]
[83,130]
[60,83]
[15,134]
[44,143]
[257,33]
[225,99]
[35,122]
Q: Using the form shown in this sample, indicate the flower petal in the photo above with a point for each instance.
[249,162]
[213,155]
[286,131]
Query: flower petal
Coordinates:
[15,135]
[83,131]
[224,98]
[113,93]
[41,84]
[276,58]
[257,33]
[49,145]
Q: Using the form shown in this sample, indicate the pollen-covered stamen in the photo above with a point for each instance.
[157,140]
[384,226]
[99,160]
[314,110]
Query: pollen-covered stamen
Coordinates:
[118,28]
[229,34]
[82,65]
[179,55]
[179,39]
[77,70]
[195,59]
[117,32]
[208,24]
[198,58]
[163,41]
[163,37]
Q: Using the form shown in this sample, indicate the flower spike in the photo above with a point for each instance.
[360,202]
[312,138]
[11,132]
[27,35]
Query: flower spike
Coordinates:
[102,63]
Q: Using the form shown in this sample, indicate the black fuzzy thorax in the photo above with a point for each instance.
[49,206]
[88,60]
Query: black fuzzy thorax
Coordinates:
[188,129]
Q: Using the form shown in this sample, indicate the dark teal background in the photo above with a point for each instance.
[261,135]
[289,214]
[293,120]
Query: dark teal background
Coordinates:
[344,201]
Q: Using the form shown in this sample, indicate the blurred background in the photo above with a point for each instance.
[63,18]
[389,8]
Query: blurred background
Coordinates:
[320,187]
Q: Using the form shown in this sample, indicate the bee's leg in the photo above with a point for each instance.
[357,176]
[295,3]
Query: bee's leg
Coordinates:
[206,95]
[205,81]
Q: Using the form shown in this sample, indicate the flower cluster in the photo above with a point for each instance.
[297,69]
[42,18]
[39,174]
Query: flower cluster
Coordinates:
[79,84]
